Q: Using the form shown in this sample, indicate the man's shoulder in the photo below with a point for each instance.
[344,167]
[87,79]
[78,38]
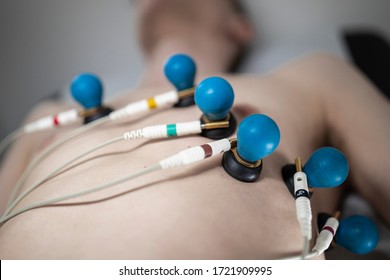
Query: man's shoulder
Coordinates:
[312,61]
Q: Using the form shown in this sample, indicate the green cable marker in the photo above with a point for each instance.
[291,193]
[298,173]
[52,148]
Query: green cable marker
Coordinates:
[171,130]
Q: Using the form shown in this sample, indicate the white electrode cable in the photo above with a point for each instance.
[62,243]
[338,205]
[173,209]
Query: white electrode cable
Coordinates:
[303,206]
[185,157]
[173,130]
[166,99]
[19,184]
[310,255]
[74,195]
[56,171]
[323,241]
[61,119]
[165,131]
[195,154]
[326,235]
[73,115]
[149,132]
[302,203]
[159,101]
[306,247]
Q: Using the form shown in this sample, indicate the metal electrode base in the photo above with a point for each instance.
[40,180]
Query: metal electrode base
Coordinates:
[288,172]
[239,171]
[220,133]
[185,102]
[100,113]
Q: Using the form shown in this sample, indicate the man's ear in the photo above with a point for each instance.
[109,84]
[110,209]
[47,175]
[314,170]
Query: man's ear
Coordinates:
[241,30]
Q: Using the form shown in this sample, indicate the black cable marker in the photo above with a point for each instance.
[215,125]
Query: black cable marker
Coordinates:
[258,136]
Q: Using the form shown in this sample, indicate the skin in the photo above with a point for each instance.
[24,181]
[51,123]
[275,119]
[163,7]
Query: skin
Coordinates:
[200,212]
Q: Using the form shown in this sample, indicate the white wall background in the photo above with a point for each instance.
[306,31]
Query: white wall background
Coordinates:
[44,43]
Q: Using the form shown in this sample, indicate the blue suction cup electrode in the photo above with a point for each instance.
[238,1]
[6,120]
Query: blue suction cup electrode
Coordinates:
[326,168]
[214,96]
[258,136]
[180,70]
[87,89]
[358,234]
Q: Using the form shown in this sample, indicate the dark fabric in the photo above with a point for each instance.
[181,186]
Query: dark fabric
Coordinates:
[370,52]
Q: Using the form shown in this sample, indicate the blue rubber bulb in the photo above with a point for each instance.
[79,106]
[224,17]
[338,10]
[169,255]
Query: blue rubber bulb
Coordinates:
[326,168]
[358,234]
[180,70]
[257,137]
[214,96]
[87,89]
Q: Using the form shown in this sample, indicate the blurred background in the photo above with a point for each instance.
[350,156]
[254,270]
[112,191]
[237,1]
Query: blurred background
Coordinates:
[45,43]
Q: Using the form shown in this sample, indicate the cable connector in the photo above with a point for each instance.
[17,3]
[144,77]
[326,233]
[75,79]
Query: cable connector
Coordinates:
[165,131]
[302,201]
[63,118]
[195,154]
[159,101]
[326,235]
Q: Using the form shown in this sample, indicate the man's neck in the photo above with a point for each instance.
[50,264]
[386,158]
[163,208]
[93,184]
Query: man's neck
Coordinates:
[210,59]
